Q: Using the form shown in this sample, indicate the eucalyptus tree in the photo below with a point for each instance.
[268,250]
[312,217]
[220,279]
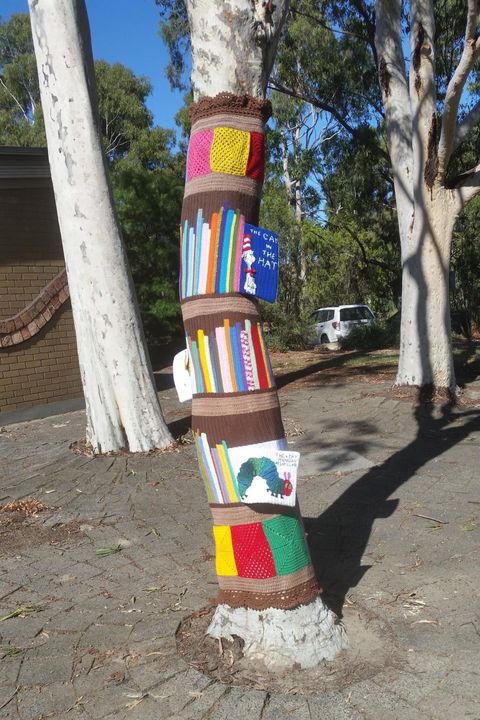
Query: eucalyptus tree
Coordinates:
[421,140]
[268,593]
[121,401]
[425,110]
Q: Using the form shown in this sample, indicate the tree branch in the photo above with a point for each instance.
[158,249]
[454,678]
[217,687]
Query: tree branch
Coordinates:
[466,186]
[275,85]
[366,259]
[14,99]
[470,53]
[466,125]
[394,87]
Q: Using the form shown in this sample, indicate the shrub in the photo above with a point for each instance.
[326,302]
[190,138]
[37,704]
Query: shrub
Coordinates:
[382,334]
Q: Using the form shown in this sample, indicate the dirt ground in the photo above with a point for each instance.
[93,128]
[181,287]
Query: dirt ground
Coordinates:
[106,592]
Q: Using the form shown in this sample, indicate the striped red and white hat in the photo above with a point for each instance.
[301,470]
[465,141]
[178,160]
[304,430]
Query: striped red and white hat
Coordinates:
[247,243]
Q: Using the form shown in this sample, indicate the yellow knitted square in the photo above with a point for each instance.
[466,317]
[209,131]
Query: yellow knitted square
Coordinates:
[230,151]
[225,559]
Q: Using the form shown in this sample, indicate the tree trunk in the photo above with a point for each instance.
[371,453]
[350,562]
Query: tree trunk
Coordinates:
[426,210]
[425,349]
[121,401]
[268,593]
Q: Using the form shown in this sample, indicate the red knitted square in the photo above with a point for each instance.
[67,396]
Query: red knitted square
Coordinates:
[253,556]
[256,159]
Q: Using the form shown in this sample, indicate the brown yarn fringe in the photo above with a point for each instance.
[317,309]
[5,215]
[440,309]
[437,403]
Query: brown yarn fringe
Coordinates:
[226,102]
[282,599]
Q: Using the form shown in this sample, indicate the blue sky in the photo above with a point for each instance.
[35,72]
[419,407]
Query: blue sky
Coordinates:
[126,31]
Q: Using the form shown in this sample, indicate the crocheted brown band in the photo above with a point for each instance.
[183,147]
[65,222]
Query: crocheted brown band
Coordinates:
[247,123]
[227,102]
[283,599]
[221,303]
[211,201]
[255,427]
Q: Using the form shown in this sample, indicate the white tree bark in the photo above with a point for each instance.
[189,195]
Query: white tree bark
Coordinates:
[121,401]
[280,638]
[420,147]
[233,47]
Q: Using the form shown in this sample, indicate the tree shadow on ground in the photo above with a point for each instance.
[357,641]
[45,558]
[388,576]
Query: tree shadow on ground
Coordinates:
[339,536]
[326,364]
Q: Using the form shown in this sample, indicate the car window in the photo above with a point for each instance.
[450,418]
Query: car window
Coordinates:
[365,313]
[330,314]
[348,314]
[322,316]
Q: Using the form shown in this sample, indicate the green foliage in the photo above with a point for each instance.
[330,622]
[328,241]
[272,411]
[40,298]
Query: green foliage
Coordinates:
[175,33]
[145,170]
[21,121]
[382,334]
[148,188]
[121,105]
[465,291]
[292,333]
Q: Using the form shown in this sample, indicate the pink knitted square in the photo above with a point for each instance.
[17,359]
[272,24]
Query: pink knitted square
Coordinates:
[198,158]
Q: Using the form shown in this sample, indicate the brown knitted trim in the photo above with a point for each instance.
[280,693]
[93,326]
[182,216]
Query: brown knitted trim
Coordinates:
[208,323]
[218,303]
[211,202]
[284,600]
[221,183]
[29,321]
[237,122]
[281,583]
[213,405]
[226,102]
[258,427]
[241,514]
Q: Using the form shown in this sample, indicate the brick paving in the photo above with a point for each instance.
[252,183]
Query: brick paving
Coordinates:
[100,641]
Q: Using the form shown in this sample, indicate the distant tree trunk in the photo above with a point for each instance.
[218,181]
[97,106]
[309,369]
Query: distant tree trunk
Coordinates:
[268,593]
[425,348]
[121,401]
[420,145]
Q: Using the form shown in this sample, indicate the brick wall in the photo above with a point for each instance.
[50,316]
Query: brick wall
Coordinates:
[43,368]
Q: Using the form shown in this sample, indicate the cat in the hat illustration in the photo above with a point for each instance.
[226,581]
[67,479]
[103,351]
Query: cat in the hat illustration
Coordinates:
[250,285]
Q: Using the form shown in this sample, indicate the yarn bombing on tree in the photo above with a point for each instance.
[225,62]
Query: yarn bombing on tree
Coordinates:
[227,264]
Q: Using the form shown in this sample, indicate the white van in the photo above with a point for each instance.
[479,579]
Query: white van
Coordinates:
[334,323]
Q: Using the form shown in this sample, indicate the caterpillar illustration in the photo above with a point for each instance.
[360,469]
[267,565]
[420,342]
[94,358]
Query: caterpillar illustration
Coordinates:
[266,469]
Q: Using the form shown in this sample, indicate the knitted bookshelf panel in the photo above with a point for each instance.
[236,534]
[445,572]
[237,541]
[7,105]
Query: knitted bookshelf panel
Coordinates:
[230,358]
[211,253]
[223,470]
[261,556]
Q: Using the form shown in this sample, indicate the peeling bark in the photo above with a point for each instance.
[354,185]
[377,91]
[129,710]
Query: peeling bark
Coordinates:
[431,163]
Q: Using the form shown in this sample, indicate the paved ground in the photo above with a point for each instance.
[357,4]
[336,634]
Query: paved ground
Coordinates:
[100,640]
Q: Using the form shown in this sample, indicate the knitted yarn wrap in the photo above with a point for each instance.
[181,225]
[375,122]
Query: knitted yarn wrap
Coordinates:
[226,102]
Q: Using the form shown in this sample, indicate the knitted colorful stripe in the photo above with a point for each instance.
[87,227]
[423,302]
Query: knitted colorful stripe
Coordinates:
[211,253]
[226,150]
[216,471]
[261,550]
[230,359]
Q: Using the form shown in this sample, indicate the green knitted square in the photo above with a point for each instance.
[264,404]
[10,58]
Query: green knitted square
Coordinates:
[287,542]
